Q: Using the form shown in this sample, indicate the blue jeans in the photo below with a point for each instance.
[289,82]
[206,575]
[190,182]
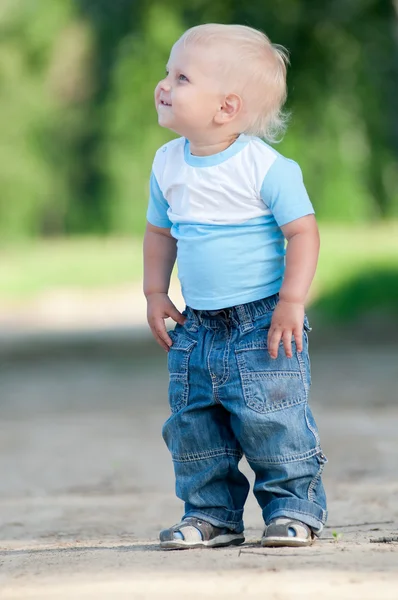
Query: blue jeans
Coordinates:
[229,398]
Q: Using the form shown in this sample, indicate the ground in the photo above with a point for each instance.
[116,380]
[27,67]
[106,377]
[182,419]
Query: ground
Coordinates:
[87,481]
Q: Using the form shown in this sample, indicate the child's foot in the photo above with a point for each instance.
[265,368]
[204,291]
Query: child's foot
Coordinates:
[287,532]
[195,533]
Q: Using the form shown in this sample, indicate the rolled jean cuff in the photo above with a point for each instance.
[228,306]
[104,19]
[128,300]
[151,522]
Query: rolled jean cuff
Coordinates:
[219,517]
[309,513]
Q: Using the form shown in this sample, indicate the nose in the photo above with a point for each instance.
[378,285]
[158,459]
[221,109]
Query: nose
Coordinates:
[165,85]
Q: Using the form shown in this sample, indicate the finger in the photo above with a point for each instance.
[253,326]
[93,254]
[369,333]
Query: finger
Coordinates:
[298,338]
[175,314]
[164,336]
[287,343]
[160,341]
[274,337]
[159,329]
[162,344]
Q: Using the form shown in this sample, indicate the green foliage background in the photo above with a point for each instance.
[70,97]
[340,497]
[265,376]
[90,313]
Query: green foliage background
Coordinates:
[79,130]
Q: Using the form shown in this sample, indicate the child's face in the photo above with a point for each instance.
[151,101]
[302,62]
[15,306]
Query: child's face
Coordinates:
[189,97]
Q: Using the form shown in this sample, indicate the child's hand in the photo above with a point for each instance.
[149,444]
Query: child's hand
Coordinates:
[160,307]
[287,320]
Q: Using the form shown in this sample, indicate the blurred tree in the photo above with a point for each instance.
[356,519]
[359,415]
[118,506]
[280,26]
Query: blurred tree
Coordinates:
[110,23]
[132,134]
[30,181]
[79,129]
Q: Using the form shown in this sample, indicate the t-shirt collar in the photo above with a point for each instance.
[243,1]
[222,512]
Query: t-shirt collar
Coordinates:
[215,159]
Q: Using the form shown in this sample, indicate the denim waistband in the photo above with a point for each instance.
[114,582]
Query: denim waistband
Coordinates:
[241,314]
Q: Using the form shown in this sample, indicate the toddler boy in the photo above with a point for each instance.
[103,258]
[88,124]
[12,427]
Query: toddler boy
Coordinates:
[223,202]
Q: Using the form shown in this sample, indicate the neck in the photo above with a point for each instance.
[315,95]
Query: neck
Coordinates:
[206,148]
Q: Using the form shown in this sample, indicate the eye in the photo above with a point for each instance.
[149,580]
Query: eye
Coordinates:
[182,77]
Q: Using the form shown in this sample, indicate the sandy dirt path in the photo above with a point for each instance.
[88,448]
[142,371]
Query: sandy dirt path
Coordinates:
[87,483]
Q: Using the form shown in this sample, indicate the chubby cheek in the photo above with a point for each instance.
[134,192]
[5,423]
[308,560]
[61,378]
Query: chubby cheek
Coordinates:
[198,110]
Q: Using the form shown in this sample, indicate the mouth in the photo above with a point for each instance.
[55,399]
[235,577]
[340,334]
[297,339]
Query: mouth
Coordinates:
[164,103]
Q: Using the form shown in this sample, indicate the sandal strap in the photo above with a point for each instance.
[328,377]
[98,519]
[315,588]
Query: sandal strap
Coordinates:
[278,529]
[192,530]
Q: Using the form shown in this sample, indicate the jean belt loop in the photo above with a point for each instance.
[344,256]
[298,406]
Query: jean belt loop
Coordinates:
[245,317]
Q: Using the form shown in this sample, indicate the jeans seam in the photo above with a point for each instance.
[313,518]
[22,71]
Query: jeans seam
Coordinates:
[303,373]
[195,456]
[225,377]
[313,483]
[313,431]
[214,388]
[225,362]
[286,459]
[215,394]
[254,375]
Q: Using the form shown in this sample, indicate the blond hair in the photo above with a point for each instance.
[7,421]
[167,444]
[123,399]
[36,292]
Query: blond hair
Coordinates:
[261,78]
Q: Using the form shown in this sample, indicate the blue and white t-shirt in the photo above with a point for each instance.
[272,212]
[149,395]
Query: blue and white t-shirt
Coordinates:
[226,211]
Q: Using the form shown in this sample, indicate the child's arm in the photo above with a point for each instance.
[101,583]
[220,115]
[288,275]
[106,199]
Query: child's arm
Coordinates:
[159,257]
[301,259]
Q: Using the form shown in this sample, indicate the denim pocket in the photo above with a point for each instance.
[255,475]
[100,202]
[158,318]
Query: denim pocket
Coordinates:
[270,385]
[178,361]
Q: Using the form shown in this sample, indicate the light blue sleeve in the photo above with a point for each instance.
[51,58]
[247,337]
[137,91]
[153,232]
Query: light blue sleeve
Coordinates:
[157,206]
[284,193]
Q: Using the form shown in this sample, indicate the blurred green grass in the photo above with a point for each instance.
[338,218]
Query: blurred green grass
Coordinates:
[84,263]
[347,251]
[350,256]
[357,273]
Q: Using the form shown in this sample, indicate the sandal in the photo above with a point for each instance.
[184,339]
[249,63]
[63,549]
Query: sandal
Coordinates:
[195,533]
[287,532]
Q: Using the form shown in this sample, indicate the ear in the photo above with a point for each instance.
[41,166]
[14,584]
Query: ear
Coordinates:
[229,109]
